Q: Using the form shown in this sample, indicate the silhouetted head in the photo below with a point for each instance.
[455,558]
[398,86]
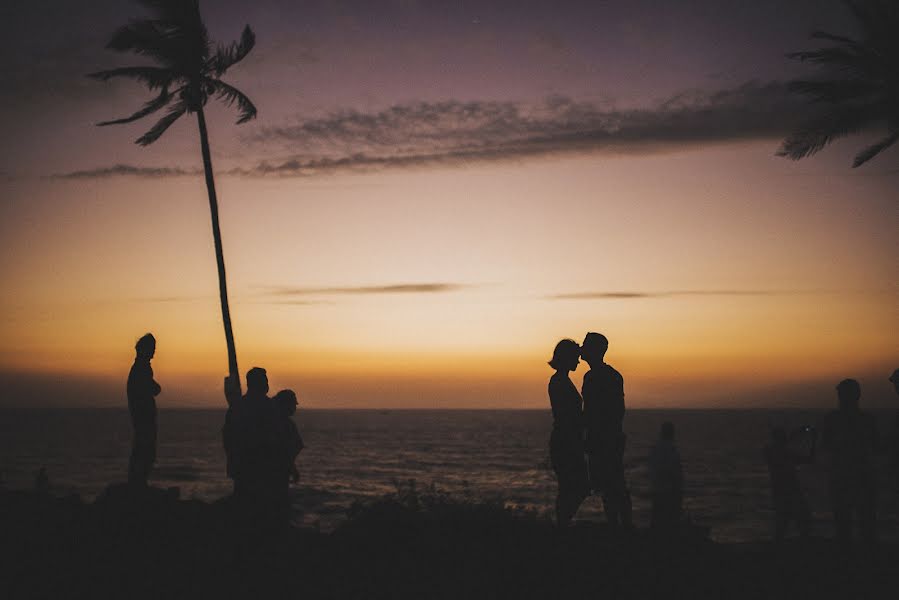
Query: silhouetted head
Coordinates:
[286,402]
[779,435]
[593,350]
[146,346]
[848,393]
[667,431]
[257,381]
[566,356]
[895,379]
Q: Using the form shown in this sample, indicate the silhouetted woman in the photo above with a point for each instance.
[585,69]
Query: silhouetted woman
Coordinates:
[566,443]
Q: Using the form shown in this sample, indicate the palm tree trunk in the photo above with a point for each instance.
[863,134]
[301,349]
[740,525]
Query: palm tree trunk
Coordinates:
[219,255]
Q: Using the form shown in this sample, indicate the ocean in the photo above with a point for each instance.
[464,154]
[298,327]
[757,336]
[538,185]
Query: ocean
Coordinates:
[501,455]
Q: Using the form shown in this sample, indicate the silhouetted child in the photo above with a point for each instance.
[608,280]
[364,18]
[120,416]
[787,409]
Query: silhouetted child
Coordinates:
[666,478]
[790,504]
[286,405]
[42,482]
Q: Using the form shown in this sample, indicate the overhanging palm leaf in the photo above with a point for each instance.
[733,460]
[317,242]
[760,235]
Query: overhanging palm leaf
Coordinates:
[858,89]
[176,39]
[175,112]
[149,108]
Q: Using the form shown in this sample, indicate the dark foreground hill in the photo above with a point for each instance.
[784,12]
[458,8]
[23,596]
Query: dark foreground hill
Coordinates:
[410,545]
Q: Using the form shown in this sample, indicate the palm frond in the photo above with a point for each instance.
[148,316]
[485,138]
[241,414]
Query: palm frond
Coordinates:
[175,112]
[835,90]
[816,134]
[835,56]
[149,108]
[182,46]
[875,149]
[153,77]
[226,56]
[876,17]
[171,9]
[841,39]
[229,95]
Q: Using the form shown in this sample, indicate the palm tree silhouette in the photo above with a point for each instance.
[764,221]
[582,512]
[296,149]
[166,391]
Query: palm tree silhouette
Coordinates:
[860,87]
[187,73]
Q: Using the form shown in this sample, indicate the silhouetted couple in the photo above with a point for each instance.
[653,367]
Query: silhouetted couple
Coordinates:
[261,445]
[589,422]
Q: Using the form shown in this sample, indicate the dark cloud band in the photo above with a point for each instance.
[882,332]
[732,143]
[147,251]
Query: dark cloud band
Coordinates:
[401,288]
[454,133]
[669,294]
[128,170]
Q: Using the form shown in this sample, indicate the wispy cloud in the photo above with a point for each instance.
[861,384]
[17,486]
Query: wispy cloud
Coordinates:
[455,132]
[128,170]
[399,288]
[671,294]
[171,299]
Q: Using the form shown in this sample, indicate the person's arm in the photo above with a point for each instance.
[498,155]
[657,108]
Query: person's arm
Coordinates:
[587,398]
[152,387]
[678,472]
[617,394]
[875,437]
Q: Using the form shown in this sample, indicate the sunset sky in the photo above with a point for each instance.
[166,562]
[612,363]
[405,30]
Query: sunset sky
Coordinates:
[433,195]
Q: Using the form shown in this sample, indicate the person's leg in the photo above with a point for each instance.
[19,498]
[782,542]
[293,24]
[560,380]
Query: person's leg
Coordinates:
[622,494]
[781,521]
[567,503]
[842,514]
[143,453]
[802,515]
[866,507]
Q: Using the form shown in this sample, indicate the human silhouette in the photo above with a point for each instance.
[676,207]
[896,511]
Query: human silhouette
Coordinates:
[566,445]
[603,393]
[142,392]
[666,478]
[255,436]
[249,428]
[292,443]
[42,482]
[286,405]
[850,438]
[790,504]
[893,440]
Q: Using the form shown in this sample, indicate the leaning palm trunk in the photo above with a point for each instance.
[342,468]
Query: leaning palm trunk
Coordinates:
[187,73]
[219,254]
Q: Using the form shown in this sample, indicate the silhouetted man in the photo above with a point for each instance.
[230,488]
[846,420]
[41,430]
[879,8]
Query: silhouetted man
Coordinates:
[790,504]
[142,392]
[603,394]
[850,436]
[257,455]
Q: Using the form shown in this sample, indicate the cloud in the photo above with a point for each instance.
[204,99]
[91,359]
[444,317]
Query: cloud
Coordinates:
[128,170]
[454,132]
[400,288]
[669,294]
[457,133]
